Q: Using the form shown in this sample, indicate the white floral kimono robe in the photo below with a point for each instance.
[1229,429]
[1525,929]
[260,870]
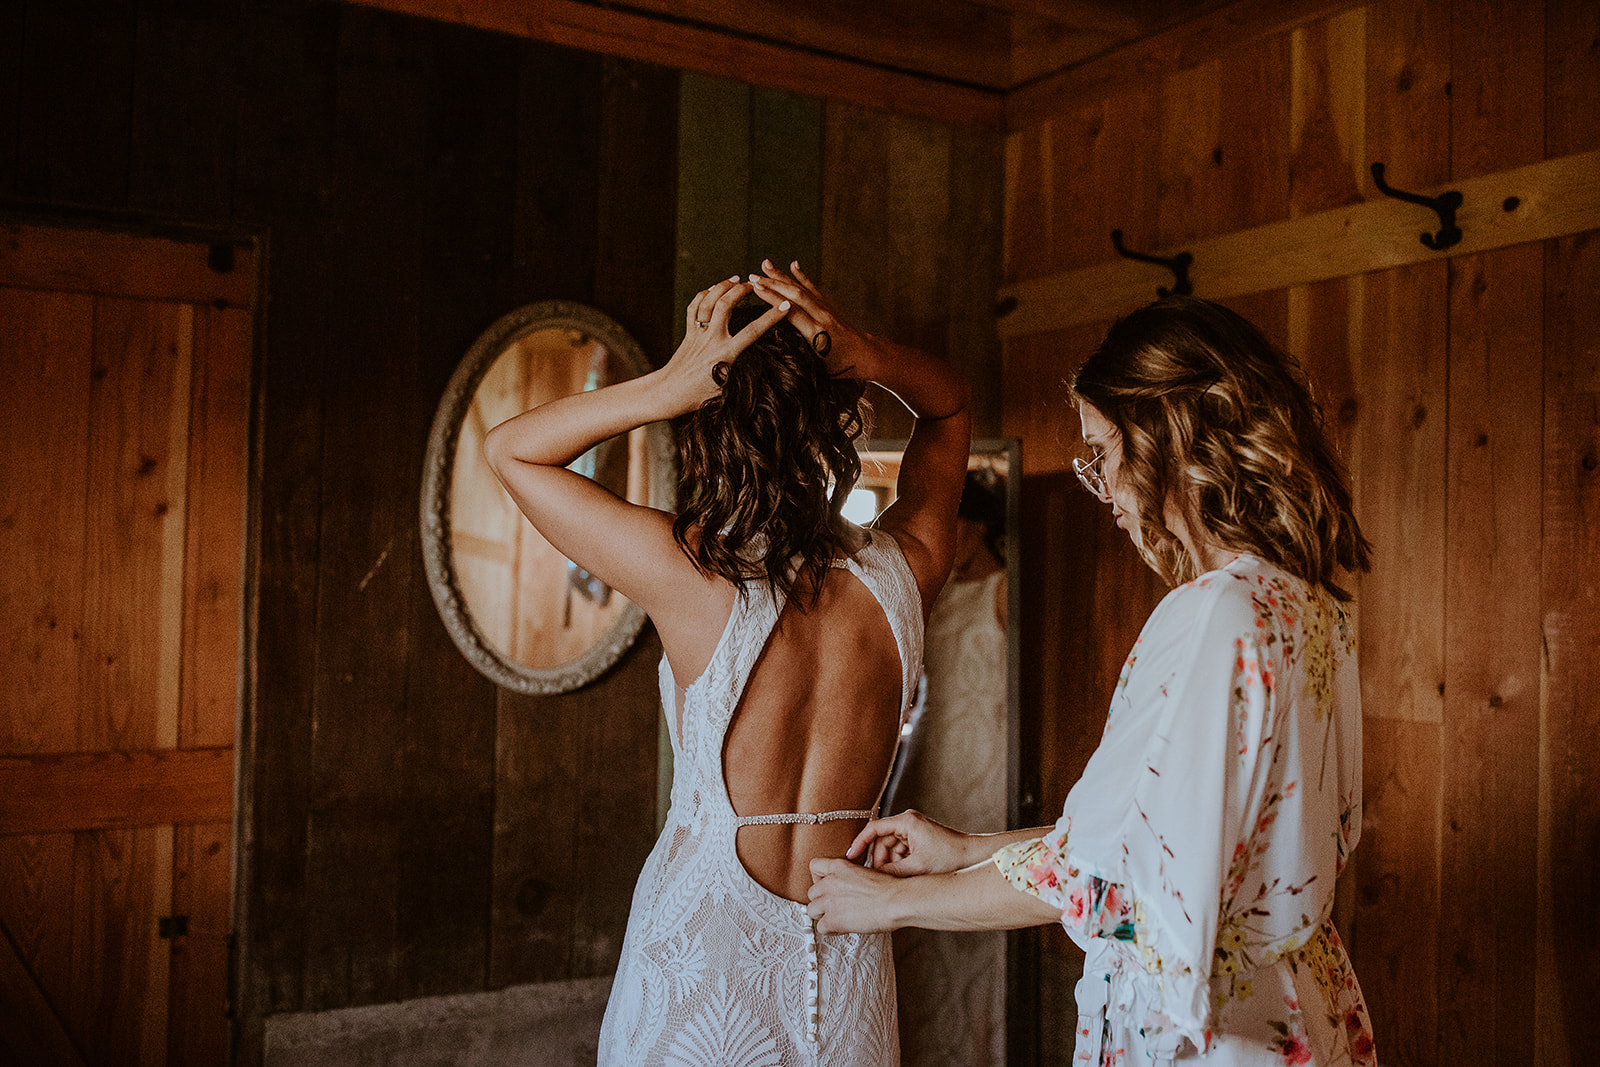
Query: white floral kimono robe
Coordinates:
[1195,859]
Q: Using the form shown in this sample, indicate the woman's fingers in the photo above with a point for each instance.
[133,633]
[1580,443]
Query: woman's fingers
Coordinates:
[805,282]
[758,326]
[878,829]
[774,289]
[887,852]
[728,294]
[719,304]
[705,301]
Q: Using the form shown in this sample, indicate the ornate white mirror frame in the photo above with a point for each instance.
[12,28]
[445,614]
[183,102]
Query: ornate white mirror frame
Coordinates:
[624,360]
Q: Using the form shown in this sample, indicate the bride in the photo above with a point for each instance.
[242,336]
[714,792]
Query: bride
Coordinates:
[792,641]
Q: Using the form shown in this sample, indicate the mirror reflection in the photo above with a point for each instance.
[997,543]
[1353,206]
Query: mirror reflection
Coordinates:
[523,614]
[957,756]
[529,602]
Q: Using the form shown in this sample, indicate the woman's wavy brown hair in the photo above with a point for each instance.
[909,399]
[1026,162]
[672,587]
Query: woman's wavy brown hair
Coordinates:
[1218,420]
[767,465]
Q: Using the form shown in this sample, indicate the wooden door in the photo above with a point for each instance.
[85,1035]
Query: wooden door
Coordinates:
[124,385]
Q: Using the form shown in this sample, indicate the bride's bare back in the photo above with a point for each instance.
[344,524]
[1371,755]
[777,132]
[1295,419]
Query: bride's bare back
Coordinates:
[815,731]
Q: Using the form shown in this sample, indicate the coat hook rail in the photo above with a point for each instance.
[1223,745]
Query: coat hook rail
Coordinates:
[1178,265]
[1444,205]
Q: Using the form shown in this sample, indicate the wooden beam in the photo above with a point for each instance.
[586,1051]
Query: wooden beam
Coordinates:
[1148,60]
[1040,47]
[707,51]
[125,264]
[1552,199]
[1104,16]
[954,39]
[101,790]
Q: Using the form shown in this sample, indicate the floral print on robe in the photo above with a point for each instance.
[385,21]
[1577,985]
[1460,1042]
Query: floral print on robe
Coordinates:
[1195,860]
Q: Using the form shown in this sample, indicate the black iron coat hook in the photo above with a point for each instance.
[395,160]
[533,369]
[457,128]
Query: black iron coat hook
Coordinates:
[1178,265]
[1444,205]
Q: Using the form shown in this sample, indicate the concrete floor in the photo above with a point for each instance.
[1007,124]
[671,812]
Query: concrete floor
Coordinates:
[555,1024]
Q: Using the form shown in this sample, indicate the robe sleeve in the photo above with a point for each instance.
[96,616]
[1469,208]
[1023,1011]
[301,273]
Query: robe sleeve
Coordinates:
[1147,840]
[1089,906]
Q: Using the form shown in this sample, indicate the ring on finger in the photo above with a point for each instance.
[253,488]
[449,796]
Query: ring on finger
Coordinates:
[702,325]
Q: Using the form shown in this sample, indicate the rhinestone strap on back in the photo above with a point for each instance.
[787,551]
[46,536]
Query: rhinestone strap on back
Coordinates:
[807,819]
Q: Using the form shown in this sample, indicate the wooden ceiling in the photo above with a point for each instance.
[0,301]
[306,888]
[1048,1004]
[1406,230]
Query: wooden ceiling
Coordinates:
[988,44]
[965,62]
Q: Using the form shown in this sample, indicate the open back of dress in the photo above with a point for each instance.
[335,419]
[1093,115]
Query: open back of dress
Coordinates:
[715,968]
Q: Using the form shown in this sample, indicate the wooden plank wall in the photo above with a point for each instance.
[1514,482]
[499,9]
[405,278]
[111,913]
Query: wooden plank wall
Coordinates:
[413,182]
[1465,395]
[411,830]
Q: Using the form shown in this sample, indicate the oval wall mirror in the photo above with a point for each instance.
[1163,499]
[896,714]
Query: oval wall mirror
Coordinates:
[523,614]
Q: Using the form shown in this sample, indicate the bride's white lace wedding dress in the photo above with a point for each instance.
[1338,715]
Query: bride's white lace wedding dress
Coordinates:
[715,969]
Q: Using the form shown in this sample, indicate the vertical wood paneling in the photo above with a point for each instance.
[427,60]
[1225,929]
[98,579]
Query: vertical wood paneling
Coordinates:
[713,208]
[1224,156]
[140,371]
[558,182]
[537,771]
[634,235]
[1399,470]
[44,459]
[368,519]
[10,90]
[197,1028]
[1327,113]
[116,1003]
[786,178]
[1461,450]
[566,839]
[975,271]
[1398,461]
[1327,137]
[36,882]
[1493,650]
[615,824]
[1324,323]
[415,181]
[885,256]
[1026,240]
[1569,794]
[217,425]
[1568,978]
[1492,660]
[74,107]
[285,181]
[183,107]
[446,729]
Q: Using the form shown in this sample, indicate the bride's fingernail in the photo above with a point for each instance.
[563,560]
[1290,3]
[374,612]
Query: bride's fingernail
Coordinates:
[784,306]
[734,278]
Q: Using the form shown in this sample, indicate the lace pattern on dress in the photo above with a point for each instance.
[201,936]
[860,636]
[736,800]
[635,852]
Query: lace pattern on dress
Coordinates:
[716,969]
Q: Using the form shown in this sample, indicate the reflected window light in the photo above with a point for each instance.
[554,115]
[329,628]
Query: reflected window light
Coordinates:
[861,506]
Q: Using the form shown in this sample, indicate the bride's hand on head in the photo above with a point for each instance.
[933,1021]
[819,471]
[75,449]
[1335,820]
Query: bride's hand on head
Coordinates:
[688,375]
[840,344]
[909,843]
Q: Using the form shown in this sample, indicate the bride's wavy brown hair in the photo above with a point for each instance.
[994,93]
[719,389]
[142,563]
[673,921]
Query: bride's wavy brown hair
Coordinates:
[1218,420]
[767,463]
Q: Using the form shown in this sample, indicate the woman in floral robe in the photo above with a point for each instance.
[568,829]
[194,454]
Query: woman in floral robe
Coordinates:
[1195,860]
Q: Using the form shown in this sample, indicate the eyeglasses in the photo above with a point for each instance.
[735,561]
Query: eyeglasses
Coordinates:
[1092,473]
